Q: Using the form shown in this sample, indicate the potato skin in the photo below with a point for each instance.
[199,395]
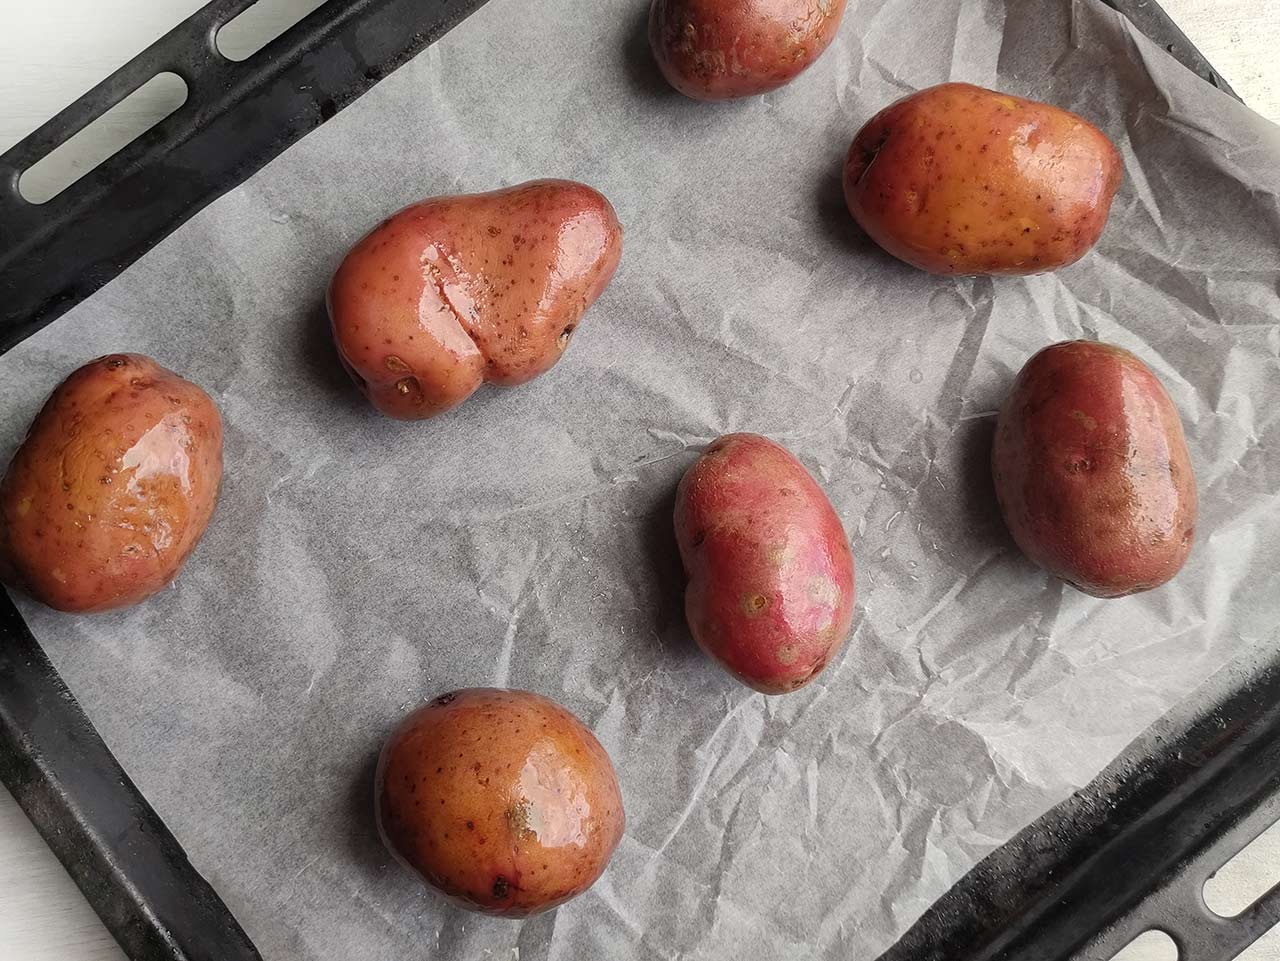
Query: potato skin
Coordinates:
[771,592]
[957,179]
[112,488]
[502,800]
[1092,470]
[721,49]
[454,292]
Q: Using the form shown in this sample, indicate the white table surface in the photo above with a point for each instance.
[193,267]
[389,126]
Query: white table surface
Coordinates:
[51,51]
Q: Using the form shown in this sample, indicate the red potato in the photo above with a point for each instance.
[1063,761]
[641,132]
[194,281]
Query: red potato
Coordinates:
[957,179]
[454,292]
[770,593]
[720,49]
[1092,470]
[502,800]
[112,488]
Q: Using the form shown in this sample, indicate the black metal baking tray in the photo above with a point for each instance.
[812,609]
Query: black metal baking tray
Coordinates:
[1129,852]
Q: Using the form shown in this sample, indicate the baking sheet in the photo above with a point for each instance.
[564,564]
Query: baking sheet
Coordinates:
[358,566]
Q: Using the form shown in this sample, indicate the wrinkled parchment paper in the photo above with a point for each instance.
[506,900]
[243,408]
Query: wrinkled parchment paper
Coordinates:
[357,566]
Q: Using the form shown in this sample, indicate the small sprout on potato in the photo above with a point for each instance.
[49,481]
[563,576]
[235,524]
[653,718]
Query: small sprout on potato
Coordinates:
[410,388]
[518,818]
[824,590]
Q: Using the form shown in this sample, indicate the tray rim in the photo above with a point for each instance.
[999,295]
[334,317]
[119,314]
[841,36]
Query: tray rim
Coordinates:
[149,930]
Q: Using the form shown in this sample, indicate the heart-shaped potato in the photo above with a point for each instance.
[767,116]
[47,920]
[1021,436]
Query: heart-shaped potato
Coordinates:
[454,292]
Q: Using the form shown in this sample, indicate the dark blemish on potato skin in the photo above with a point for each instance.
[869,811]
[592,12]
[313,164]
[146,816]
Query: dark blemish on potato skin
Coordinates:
[500,886]
[444,699]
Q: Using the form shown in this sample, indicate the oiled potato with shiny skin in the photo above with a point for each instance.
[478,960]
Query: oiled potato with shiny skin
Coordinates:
[502,800]
[957,179]
[1092,470]
[112,488]
[770,593]
[457,291]
[720,49]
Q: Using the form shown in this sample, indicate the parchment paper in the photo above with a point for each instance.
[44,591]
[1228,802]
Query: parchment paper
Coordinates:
[358,566]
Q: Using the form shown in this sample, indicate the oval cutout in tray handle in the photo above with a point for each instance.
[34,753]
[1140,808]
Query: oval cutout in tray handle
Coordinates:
[121,125]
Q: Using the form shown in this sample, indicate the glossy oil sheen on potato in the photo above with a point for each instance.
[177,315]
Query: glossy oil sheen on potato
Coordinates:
[454,292]
[502,800]
[719,49]
[1092,471]
[112,488]
[957,179]
[770,593]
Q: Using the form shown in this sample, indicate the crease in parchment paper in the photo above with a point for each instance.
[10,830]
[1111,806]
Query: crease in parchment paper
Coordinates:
[357,566]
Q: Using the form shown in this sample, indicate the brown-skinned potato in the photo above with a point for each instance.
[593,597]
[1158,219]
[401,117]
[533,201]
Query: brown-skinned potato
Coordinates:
[501,800]
[957,179]
[454,292]
[721,49]
[1092,471]
[112,488]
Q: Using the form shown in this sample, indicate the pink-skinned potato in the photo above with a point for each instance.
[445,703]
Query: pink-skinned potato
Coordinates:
[957,179]
[1092,470]
[722,49]
[458,291]
[770,591]
[112,488]
[501,800]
